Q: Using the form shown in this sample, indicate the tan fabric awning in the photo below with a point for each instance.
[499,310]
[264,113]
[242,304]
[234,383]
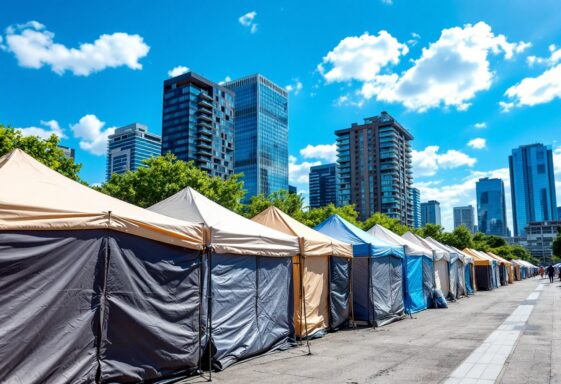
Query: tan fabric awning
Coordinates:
[313,243]
[479,258]
[35,197]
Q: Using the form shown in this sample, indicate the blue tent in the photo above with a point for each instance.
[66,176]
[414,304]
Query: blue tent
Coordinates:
[377,271]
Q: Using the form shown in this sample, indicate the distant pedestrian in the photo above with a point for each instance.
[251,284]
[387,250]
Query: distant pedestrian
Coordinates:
[542,271]
[550,273]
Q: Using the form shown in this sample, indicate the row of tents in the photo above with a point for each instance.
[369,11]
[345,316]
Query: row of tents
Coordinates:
[93,289]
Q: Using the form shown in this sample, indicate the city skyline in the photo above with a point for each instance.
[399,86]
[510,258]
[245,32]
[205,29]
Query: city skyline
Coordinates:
[460,134]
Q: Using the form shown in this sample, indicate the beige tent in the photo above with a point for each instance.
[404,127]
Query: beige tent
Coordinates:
[38,198]
[316,249]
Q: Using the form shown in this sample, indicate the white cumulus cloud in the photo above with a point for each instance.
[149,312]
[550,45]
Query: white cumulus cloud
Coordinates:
[50,127]
[361,57]
[428,161]
[295,87]
[540,89]
[298,173]
[179,70]
[449,73]
[248,20]
[327,152]
[480,125]
[92,134]
[34,47]
[478,143]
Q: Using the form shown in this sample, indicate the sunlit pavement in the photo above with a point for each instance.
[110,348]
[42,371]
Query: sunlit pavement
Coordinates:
[509,335]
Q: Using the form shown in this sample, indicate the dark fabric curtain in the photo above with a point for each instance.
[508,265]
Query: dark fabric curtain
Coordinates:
[252,307]
[96,306]
[361,290]
[339,285]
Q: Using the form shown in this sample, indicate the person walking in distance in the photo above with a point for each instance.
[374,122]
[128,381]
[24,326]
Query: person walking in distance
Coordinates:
[542,271]
[550,273]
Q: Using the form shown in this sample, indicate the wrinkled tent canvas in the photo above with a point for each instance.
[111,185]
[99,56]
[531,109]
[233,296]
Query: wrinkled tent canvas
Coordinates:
[506,271]
[453,267]
[326,274]
[377,272]
[469,272]
[440,261]
[251,310]
[90,285]
[419,275]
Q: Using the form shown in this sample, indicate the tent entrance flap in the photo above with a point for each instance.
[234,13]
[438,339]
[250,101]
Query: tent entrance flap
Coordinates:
[339,291]
[415,299]
[252,306]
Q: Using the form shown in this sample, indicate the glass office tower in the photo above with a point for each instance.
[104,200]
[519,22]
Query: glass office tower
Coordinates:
[261,123]
[532,185]
[374,168]
[128,146]
[464,216]
[323,185]
[491,207]
[198,123]
[430,213]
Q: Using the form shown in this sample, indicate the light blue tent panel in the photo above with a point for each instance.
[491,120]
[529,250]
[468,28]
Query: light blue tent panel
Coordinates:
[469,288]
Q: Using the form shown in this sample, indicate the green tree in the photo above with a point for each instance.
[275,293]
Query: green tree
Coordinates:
[44,150]
[164,176]
[314,216]
[289,203]
[385,221]
[433,230]
[460,238]
[557,243]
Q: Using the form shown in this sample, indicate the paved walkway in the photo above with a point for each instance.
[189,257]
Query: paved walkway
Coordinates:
[514,332]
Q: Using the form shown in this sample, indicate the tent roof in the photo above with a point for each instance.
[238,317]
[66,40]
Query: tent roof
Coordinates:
[411,249]
[229,232]
[497,257]
[39,198]
[313,243]
[339,228]
[437,252]
[479,258]
[468,258]
[451,251]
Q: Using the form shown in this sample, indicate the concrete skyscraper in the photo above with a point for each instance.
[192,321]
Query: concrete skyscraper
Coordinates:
[374,168]
[464,216]
[198,123]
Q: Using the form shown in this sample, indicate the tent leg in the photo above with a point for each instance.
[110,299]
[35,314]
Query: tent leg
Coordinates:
[303,296]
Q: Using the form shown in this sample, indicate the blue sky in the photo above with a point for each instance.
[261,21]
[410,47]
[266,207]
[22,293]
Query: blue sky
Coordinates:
[470,79]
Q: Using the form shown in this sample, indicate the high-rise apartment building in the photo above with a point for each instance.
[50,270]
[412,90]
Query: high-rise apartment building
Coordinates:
[128,146]
[323,185]
[540,236]
[69,152]
[430,213]
[416,201]
[374,168]
[491,207]
[198,123]
[261,123]
[532,185]
[464,216]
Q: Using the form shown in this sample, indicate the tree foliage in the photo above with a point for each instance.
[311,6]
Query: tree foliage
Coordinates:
[44,150]
[385,221]
[557,243]
[164,176]
[315,216]
[289,203]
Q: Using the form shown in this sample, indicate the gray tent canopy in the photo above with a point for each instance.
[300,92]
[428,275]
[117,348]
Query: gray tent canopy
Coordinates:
[90,286]
[250,307]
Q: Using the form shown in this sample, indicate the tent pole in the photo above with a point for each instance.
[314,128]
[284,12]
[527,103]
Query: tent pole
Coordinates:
[405,281]
[303,298]
[209,313]
[201,271]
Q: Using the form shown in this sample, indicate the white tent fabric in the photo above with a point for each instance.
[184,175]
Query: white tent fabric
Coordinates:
[441,259]
[411,248]
[230,233]
[457,279]
[34,197]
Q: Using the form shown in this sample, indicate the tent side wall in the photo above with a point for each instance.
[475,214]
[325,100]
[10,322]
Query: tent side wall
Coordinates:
[99,303]
[252,306]
[339,291]
[484,277]
[362,290]
[442,276]
[386,274]
[415,297]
